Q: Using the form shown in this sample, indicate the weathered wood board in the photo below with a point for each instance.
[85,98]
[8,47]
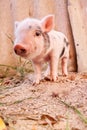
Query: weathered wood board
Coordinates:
[79,32]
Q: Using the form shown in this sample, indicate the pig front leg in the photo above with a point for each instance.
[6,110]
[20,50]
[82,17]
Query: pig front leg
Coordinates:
[37,69]
[53,68]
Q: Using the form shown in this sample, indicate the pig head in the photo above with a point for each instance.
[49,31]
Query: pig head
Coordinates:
[37,41]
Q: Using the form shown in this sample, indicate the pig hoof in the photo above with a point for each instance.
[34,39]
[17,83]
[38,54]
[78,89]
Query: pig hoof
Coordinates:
[54,78]
[49,78]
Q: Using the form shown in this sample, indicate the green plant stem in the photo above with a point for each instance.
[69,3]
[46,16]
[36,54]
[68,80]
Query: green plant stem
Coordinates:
[76,110]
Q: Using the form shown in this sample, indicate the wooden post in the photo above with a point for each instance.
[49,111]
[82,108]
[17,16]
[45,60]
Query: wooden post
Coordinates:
[79,33]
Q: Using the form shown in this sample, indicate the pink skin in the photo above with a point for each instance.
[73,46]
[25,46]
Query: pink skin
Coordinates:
[30,44]
[64,66]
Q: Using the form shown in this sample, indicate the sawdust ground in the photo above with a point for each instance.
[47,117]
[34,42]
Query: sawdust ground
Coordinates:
[27,107]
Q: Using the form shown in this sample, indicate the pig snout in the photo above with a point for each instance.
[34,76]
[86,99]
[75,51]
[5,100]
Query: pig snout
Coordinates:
[20,50]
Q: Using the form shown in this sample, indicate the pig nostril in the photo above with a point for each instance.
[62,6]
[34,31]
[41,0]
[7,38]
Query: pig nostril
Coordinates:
[23,50]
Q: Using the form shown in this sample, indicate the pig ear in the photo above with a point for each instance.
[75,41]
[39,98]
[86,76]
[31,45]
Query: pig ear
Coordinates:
[16,24]
[47,23]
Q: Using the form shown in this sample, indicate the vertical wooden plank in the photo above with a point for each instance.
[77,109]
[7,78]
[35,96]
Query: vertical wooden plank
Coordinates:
[79,33]
[21,9]
[84,12]
[43,8]
[6,48]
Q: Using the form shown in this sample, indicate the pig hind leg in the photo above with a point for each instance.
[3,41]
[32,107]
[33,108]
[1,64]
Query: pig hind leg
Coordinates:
[64,62]
[64,66]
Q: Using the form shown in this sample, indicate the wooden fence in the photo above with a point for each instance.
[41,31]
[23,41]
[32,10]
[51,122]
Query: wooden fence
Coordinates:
[70,18]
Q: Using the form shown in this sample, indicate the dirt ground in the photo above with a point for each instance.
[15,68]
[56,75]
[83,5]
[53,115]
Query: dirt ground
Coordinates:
[48,106]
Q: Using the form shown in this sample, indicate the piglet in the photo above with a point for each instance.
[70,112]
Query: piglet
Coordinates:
[37,41]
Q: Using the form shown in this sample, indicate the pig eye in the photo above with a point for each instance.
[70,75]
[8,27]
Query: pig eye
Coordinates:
[38,33]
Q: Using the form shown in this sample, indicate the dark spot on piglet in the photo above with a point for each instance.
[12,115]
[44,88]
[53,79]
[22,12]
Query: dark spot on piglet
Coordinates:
[30,26]
[46,41]
[62,52]
[46,37]
[65,40]
[38,27]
